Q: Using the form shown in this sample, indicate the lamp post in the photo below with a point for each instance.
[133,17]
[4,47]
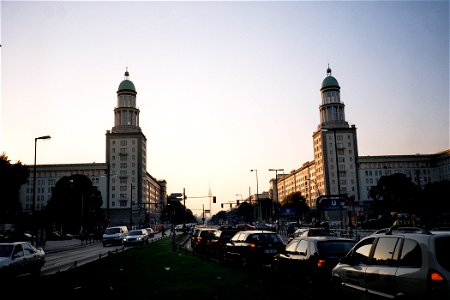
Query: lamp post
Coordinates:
[276,185]
[44,137]
[131,205]
[257,197]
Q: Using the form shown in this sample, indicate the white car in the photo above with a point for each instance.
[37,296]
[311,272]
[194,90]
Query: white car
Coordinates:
[19,258]
[151,232]
[407,264]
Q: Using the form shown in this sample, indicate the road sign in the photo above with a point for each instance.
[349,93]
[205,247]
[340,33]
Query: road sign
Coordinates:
[331,202]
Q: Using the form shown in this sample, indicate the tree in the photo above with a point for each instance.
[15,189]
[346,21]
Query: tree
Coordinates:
[245,212]
[176,213]
[395,192]
[75,202]
[219,217]
[435,203]
[12,177]
[298,202]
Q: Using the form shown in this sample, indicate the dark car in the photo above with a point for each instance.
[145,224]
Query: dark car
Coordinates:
[311,259]
[253,247]
[215,246]
[200,238]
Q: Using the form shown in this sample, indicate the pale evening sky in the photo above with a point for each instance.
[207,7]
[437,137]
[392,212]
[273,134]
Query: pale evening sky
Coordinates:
[222,87]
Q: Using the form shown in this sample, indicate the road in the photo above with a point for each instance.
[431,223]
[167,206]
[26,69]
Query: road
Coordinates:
[66,254]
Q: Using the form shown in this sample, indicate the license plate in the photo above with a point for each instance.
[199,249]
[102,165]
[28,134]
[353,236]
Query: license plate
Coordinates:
[270,251]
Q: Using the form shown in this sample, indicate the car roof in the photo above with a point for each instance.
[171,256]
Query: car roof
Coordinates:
[14,243]
[256,231]
[324,238]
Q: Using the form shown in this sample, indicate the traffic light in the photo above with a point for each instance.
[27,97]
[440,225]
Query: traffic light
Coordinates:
[237,202]
[221,205]
[214,199]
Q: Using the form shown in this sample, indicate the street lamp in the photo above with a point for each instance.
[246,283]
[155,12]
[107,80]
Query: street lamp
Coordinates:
[131,206]
[44,137]
[257,199]
[276,184]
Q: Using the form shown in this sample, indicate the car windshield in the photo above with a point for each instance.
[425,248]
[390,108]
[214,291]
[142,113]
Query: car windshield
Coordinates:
[334,248]
[135,232]
[5,250]
[265,238]
[112,230]
[317,232]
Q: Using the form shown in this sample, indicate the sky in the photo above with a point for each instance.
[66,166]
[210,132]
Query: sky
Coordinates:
[223,87]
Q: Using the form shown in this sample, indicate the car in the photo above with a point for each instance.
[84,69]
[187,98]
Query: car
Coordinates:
[309,231]
[18,258]
[253,248]
[114,235]
[215,246]
[310,259]
[200,238]
[136,237]
[17,236]
[151,232]
[407,263]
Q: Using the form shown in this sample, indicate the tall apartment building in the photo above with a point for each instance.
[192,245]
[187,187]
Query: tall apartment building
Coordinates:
[130,194]
[337,169]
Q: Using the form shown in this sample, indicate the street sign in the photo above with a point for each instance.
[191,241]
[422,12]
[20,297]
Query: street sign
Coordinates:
[331,203]
[287,212]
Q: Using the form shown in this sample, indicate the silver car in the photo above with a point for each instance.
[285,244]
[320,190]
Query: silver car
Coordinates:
[407,264]
[19,258]
[136,237]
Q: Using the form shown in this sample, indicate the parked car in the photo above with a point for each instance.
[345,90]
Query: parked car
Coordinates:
[114,235]
[409,263]
[310,231]
[17,258]
[136,237]
[57,236]
[17,236]
[252,248]
[311,258]
[216,245]
[151,232]
[200,238]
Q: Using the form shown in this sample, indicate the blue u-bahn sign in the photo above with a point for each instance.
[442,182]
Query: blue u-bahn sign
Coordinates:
[288,212]
[337,202]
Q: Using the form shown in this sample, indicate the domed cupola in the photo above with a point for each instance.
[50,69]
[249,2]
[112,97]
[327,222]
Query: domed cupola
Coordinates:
[126,85]
[332,110]
[126,113]
[329,81]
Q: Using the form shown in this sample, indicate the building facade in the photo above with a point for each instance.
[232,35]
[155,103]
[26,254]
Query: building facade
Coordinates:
[131,196]
[337,169]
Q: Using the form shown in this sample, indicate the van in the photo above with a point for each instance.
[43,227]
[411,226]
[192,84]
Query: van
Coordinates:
[114,235]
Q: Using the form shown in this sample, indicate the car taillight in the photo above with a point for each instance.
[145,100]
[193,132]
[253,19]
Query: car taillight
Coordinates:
[436,276]
[321,263]
[252,246]
[437,284]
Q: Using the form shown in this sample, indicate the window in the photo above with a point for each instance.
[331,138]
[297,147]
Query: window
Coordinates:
[385,250]
[361,253]
[411,254]
[302,248]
